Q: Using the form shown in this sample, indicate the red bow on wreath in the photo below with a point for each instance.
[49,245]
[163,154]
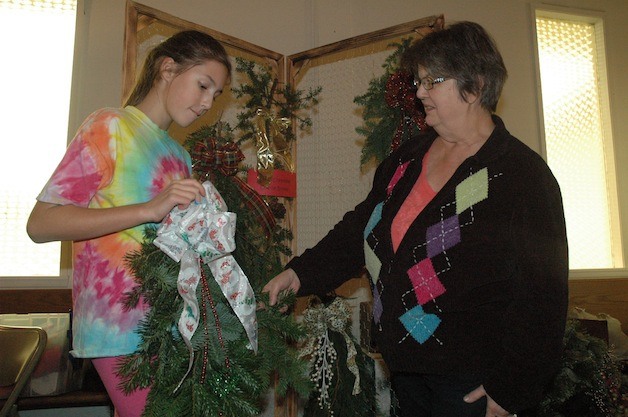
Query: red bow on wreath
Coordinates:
[209,156]
[401,94]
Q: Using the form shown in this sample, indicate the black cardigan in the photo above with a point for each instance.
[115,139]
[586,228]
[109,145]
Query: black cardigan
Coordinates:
[488,261]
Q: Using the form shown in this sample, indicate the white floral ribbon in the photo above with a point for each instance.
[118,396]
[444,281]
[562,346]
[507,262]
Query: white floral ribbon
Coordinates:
[206,231]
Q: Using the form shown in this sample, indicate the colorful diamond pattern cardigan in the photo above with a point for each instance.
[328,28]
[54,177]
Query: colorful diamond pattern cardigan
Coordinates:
[478,285]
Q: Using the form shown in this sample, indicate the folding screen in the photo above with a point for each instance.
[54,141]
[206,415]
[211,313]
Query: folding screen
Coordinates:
[330,180]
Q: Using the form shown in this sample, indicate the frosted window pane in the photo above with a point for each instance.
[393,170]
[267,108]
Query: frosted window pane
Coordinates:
[574,137]
[34,108]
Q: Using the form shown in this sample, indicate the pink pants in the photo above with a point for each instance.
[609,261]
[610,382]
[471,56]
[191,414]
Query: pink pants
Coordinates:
[131,405]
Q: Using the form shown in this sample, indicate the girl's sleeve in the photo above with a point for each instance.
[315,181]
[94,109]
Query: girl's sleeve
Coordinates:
[86,166]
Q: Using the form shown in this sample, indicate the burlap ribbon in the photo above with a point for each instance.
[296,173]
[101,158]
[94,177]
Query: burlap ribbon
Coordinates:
[318,320]
[206,231]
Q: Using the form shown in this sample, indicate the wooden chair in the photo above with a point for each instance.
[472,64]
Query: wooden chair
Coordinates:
[21,349]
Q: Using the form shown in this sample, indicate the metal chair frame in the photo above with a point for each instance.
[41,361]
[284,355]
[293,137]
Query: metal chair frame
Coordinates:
[20,350]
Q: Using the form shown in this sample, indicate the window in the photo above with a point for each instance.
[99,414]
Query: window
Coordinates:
[578,137]
[39,39]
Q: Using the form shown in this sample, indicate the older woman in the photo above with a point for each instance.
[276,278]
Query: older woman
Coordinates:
[463,236]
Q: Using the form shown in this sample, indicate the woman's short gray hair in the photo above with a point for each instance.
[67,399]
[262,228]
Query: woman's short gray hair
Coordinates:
[466,52]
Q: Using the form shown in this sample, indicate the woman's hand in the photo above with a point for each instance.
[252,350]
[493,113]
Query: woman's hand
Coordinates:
[492,408]
[286,280]
[179,193]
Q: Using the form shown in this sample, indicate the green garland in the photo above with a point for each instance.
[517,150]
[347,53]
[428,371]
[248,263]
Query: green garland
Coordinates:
[263,91]
[386,106]
[590,382]
[213,389]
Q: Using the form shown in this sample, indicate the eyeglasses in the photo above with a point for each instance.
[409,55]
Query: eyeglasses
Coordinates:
[428,82]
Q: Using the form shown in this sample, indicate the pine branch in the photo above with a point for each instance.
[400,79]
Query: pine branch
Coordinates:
[380,120]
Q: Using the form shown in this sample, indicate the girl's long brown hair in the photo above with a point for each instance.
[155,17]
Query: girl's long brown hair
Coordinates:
[187,48]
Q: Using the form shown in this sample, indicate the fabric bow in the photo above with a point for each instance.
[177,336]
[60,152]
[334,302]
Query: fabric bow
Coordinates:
[210,155]
[401,94]
[269,134]
[318,320]
[206,231]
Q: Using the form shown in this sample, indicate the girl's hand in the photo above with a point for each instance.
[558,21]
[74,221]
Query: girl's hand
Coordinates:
[179,193]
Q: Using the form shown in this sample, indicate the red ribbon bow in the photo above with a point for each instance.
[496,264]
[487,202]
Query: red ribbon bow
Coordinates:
[210,156]
[401,94]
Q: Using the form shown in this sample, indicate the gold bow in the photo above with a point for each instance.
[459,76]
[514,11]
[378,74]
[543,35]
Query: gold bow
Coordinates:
[271,144]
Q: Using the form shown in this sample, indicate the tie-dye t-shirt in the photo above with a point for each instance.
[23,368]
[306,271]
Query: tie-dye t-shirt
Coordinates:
[118,157]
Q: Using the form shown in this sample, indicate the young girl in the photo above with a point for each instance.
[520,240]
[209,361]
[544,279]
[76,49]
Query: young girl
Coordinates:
[120,172]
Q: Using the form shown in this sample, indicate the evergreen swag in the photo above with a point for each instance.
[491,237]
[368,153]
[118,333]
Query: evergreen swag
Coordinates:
[590,382]
[390,109]
[227,379]
[264,92]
